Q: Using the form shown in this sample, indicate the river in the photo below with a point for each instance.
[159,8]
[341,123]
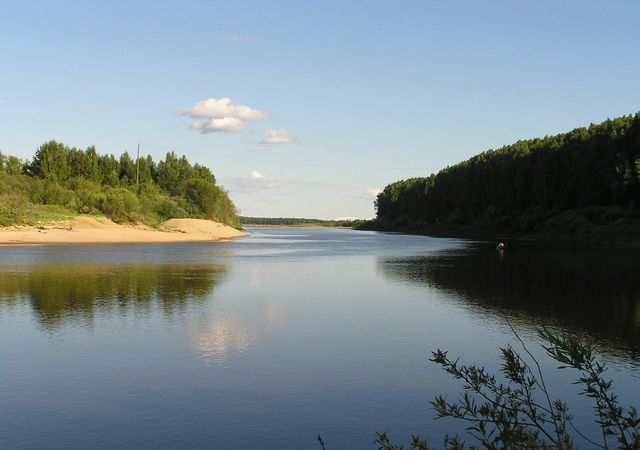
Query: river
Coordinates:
[271,340]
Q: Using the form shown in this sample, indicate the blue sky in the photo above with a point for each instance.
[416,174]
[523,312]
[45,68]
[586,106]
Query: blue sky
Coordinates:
[351,95]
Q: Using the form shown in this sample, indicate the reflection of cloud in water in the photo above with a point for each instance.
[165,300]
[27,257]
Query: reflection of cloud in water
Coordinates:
[275,315]
[222,337]
[226,334]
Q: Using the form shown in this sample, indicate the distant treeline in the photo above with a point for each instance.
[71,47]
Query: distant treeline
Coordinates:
[589,177]
[281,221]
[63,180]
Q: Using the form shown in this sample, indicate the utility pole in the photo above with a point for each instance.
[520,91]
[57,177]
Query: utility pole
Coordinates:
[138,167]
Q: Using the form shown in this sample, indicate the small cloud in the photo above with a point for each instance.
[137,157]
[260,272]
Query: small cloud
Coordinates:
[255,182]
[276,137]
[224,115]
[221,108]
[238,39]
[225,124]
[371,193]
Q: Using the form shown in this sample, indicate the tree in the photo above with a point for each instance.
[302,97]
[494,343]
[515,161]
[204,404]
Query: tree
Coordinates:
[146,170]
[127,169]
[201,197]
[88,182]
[596,166]
[50,162]
[169,173]
[13,165]
[109,170]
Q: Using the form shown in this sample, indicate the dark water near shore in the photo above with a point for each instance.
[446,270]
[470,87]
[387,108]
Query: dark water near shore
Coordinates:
[271,340]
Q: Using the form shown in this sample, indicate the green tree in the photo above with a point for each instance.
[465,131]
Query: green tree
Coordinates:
[201,197]
[127,169]
[596,166]
[13,165]
[109,170]
[50,162]
[172,172]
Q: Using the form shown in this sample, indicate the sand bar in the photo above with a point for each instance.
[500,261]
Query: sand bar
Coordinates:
[98,230]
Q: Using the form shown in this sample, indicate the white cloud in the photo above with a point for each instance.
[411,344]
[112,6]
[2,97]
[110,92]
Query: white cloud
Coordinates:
[372,193]
[224,107]
[225,124]
[255,182]
[221,115]
[275,137]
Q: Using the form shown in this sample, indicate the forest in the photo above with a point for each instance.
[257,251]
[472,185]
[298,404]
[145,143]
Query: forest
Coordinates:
[583,181]
[60,181]
[298,221]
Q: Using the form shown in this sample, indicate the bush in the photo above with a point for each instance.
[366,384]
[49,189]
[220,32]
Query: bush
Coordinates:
[13,209]
[89,197]
[17,184]
[54,194]
[121,205]
[167,209]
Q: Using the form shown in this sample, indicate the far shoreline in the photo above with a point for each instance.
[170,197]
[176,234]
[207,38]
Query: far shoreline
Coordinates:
[588,238]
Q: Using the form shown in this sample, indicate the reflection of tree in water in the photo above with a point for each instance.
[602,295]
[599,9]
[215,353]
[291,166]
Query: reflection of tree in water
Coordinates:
[599,294]
[62,293]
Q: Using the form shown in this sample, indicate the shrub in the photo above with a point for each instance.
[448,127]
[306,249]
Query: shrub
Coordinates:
[54,194]
[167,208]
[121,205]
[89,197]
[13,209]
[521,414]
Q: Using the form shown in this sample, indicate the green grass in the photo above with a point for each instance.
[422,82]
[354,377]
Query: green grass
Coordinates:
[29,214]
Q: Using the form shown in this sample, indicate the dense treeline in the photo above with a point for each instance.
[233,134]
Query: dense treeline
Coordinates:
[283,221]
[564,183]
[61,179]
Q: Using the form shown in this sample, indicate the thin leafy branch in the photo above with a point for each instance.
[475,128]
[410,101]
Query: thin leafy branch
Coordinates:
[519,412]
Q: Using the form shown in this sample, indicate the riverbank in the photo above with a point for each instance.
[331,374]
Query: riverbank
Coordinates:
[620,235]
[100,230]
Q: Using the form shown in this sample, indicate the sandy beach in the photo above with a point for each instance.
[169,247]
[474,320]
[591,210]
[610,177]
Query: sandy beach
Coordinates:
[97,230]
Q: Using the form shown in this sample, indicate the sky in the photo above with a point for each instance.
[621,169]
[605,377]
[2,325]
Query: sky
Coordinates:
[309,108]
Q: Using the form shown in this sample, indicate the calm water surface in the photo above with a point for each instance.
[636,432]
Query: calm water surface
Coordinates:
[271,340]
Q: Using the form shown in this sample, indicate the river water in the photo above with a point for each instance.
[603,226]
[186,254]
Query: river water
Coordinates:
[271,340]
